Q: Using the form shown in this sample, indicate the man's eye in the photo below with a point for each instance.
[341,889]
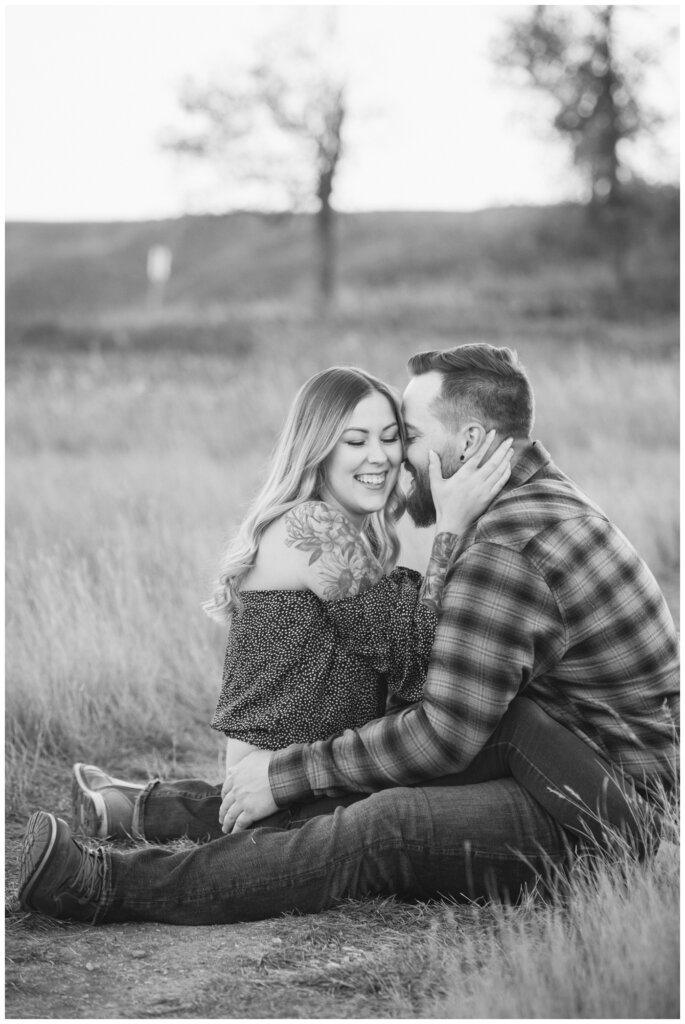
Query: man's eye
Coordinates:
[411,438]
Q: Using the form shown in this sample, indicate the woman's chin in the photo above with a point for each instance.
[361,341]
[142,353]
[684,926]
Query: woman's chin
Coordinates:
[379,503]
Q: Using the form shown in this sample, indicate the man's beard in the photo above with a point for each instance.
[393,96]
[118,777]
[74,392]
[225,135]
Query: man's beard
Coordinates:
[420,500]
[420,504]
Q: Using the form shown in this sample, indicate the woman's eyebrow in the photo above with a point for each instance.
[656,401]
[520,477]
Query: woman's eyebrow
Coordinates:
[363,430]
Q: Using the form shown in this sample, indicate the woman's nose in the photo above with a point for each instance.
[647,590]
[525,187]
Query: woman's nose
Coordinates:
[377,452]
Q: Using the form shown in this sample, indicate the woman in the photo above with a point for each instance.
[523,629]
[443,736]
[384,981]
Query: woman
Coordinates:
[325,627]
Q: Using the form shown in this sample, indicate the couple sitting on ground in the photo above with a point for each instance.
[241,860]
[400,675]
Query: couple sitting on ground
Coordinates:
[462,735]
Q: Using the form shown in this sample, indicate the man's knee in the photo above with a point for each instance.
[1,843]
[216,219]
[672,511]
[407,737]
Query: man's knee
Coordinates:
[523,714]
[399,812]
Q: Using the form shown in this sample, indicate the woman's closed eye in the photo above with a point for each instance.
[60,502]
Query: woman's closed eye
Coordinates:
[384,440]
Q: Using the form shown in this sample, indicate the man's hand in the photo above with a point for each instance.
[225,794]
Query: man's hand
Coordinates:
[246,793]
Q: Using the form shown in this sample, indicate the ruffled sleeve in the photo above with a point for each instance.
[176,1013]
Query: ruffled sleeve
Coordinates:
[391,629]
[277,637]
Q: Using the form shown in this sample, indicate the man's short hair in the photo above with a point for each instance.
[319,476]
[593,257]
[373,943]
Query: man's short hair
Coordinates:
[480,382]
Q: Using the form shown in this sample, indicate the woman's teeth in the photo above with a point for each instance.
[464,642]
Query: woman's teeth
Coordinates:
[371,479]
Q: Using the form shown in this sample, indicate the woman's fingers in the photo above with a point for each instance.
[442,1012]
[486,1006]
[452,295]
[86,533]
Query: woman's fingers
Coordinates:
[499,466]
[479,463]
[499,457]
[434,470]
[499,479]
[502,453]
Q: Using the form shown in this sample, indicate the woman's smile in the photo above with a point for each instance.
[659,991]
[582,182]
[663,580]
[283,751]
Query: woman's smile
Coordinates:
[374,481]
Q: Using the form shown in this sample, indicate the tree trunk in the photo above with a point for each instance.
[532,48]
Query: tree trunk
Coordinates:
[325,229]
[612,132]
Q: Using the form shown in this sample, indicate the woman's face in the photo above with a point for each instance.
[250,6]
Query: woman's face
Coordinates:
[362,469]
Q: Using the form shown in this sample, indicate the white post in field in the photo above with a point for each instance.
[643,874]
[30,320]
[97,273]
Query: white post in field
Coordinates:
[159,259]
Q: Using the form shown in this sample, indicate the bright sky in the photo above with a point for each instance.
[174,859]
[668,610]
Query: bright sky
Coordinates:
[90,90]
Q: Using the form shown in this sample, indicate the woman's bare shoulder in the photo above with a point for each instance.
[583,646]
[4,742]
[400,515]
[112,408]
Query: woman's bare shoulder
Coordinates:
[276,566]
[314,547]
[314,523]
[339,562]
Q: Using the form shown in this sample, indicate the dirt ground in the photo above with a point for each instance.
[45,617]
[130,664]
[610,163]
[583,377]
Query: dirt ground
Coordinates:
[132,970]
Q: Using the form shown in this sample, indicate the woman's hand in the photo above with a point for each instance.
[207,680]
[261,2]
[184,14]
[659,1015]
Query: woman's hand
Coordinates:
[461,498]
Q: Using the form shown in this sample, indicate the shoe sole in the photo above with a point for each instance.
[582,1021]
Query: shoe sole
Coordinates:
[30,871]
[89,812]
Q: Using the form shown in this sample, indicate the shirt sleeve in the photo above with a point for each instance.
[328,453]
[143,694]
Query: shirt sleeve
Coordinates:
[391,629]
[498,628]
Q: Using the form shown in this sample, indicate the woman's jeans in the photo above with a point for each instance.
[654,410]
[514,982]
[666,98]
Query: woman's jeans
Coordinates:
[534,795]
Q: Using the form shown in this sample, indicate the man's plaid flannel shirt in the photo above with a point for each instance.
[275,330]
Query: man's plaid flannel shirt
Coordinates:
[547,598]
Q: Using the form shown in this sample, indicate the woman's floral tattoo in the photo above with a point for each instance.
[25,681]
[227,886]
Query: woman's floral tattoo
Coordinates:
[444,553]
[345,566]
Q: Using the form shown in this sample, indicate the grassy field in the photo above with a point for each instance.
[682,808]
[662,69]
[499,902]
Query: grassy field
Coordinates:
[135,439]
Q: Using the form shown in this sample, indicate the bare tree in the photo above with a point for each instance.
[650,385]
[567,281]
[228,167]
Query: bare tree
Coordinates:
[571,54]
[278,126]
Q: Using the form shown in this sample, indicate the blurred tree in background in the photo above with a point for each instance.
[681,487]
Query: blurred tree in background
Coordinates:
[572,55]
[277,129]
[595,81]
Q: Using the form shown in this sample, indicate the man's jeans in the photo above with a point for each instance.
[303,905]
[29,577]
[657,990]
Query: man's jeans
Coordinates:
[583,792]
[465,842]
[467,836]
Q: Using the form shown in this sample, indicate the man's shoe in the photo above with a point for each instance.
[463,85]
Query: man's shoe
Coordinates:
[102,806]
[58,876]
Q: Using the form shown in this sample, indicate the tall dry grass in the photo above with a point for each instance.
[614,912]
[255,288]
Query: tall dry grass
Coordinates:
[606,947]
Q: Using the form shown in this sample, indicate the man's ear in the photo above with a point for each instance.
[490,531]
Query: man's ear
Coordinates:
[474,435]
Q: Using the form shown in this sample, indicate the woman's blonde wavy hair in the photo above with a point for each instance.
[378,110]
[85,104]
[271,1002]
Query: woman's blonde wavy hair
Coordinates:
[315,423]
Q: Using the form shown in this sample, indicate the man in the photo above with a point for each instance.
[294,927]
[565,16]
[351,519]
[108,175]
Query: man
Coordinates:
[546,597]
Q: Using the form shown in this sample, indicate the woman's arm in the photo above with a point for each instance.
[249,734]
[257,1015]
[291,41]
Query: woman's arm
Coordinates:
[460,499]
[444,553]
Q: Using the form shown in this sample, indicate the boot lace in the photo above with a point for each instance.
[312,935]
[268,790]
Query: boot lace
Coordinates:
[90,875]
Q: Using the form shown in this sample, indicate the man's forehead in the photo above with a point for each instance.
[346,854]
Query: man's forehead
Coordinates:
[420,393]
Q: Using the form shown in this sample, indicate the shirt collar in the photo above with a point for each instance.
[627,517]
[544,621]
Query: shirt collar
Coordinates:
[530,461]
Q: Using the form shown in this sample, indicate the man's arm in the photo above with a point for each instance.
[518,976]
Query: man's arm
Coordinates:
[499,625]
